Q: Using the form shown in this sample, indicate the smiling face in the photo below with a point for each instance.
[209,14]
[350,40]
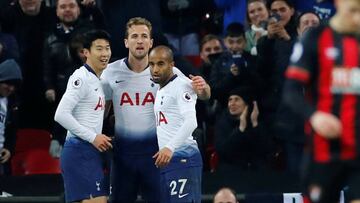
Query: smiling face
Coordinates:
[236,105]
[98,55]
[257,12]
[67,11]
[138,41]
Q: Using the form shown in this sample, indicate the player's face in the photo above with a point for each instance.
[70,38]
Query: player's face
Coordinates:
[67,11]
[30,7]
[236,105]
[236,45]
[99,54]
[139,41]
[307,21]
[210,47]
[160,67]
[6,89]
[349,12]
[281,8]
[257,12]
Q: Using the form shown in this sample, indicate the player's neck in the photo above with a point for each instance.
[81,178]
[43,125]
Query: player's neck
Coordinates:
[166,81]
[138,65]
[97,71]
[337,23]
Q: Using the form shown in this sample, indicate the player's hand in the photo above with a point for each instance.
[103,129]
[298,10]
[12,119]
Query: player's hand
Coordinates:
[326,124]
[50,95]
[200,86]
[163,157]
[4,155]
[102,142]
[234,70]
[254,115]
[243,121]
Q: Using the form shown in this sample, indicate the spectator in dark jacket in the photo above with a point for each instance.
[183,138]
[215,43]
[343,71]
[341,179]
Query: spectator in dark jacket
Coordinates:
[10,78]
[28,21]
[8,47]
[232,68]
[273,57]
[238,136]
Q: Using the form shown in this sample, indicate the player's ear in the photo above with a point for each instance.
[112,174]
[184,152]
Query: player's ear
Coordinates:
[86,52]
[151,42]
[126,43]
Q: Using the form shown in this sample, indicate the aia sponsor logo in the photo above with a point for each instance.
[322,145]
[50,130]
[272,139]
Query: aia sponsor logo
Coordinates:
[136,99]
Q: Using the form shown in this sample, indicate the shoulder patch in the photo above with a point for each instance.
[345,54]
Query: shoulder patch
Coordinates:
[187,97]
[76,83]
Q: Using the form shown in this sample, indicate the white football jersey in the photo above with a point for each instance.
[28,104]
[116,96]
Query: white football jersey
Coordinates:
[174,103]
[133,97]
[81,109]
[3,114]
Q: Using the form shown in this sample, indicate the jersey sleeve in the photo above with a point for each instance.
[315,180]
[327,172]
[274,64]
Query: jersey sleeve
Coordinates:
[186,101]
[303,61]
[77,89]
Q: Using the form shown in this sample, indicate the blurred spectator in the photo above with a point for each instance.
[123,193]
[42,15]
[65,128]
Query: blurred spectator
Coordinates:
[239,139]
[10,78]
[28,21]
[257,15]
[290,126]
[59,59]
[225,195]
[181,23]
[307,20]
[8,47]
[210,44]
[324,9]
[273,55]
[234,11]
[119,12]
[232,68]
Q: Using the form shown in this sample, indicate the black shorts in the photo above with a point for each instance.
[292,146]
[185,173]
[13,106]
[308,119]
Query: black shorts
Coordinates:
[324,181]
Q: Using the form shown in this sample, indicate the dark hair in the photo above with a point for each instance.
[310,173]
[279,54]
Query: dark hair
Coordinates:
[235,30]
[92,35]
[290,3]
[304,13]
[208,38]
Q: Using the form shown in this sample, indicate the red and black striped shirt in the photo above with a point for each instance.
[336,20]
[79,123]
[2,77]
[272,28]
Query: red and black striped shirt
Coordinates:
[327,62]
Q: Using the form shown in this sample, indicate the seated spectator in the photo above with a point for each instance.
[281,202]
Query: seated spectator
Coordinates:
[225,195]
[239,140]
[257,15]
[210,44]
[232,68]
[10,78]
[307,20]
[8,47]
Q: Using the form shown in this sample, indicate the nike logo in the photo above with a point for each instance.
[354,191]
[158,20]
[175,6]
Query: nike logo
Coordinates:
[119,81]
[183,195]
